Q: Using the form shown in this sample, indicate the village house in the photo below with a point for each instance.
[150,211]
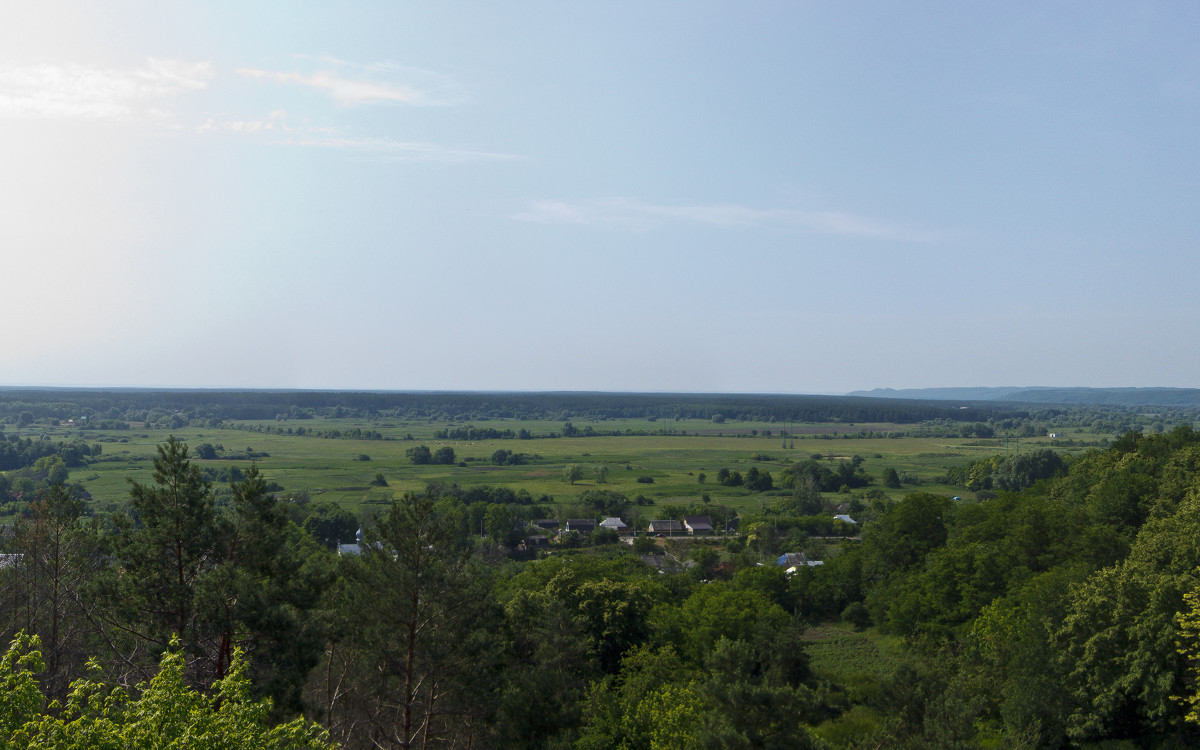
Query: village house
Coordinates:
[581,525]
[352,549]
[669,526]
[788,559]
[698,525]
[793,561]
[614,524]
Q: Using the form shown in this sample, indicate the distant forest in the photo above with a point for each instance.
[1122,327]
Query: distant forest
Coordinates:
[140,405]
[1180,397]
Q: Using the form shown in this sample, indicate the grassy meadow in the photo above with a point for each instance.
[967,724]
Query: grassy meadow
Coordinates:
[332,469]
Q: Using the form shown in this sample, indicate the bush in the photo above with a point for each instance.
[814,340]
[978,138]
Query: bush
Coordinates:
[420,455]
[645,545]
[605,536]
[891,478]
[645,480]
[856,614]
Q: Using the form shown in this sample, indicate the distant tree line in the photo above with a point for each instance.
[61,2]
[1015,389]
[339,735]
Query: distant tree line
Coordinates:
[203,406]
[17,452]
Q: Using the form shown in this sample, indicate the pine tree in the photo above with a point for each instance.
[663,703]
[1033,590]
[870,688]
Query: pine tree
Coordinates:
[161,556]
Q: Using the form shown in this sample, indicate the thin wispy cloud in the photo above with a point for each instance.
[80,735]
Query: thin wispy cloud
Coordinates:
[145,94]
[352,84]
[276,121]
[374,83]
[632,215]
[71,91]
[385,148]
[342,90]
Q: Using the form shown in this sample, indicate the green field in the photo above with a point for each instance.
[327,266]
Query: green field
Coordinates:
[331,469]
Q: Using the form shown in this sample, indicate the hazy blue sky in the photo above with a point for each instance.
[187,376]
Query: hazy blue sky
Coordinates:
[685,196]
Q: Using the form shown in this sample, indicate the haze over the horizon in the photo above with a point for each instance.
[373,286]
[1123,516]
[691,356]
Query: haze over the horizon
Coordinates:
[770,197]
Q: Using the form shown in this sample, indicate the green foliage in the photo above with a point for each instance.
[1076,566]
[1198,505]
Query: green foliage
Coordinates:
[216,579]
[59,554]
[1187,644]
[761,694]
[503,527]
[645,545]
[727,478]
[330,524]
[601,537]
[904,535]
[758,481]
[161,713]
[1119,634]
[857,615]
[419,455]
[572,473]
[20,696]
[167,552]
[706,559]
[409,624]
[605,502]
[718,610]
[612,615]
[768,580]
[1021,471]
[260,595]
[1013,641]
[817,474]
[891,479]
[743,695]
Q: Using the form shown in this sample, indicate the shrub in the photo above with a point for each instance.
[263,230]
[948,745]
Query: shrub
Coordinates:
[645,545]
[856,614]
